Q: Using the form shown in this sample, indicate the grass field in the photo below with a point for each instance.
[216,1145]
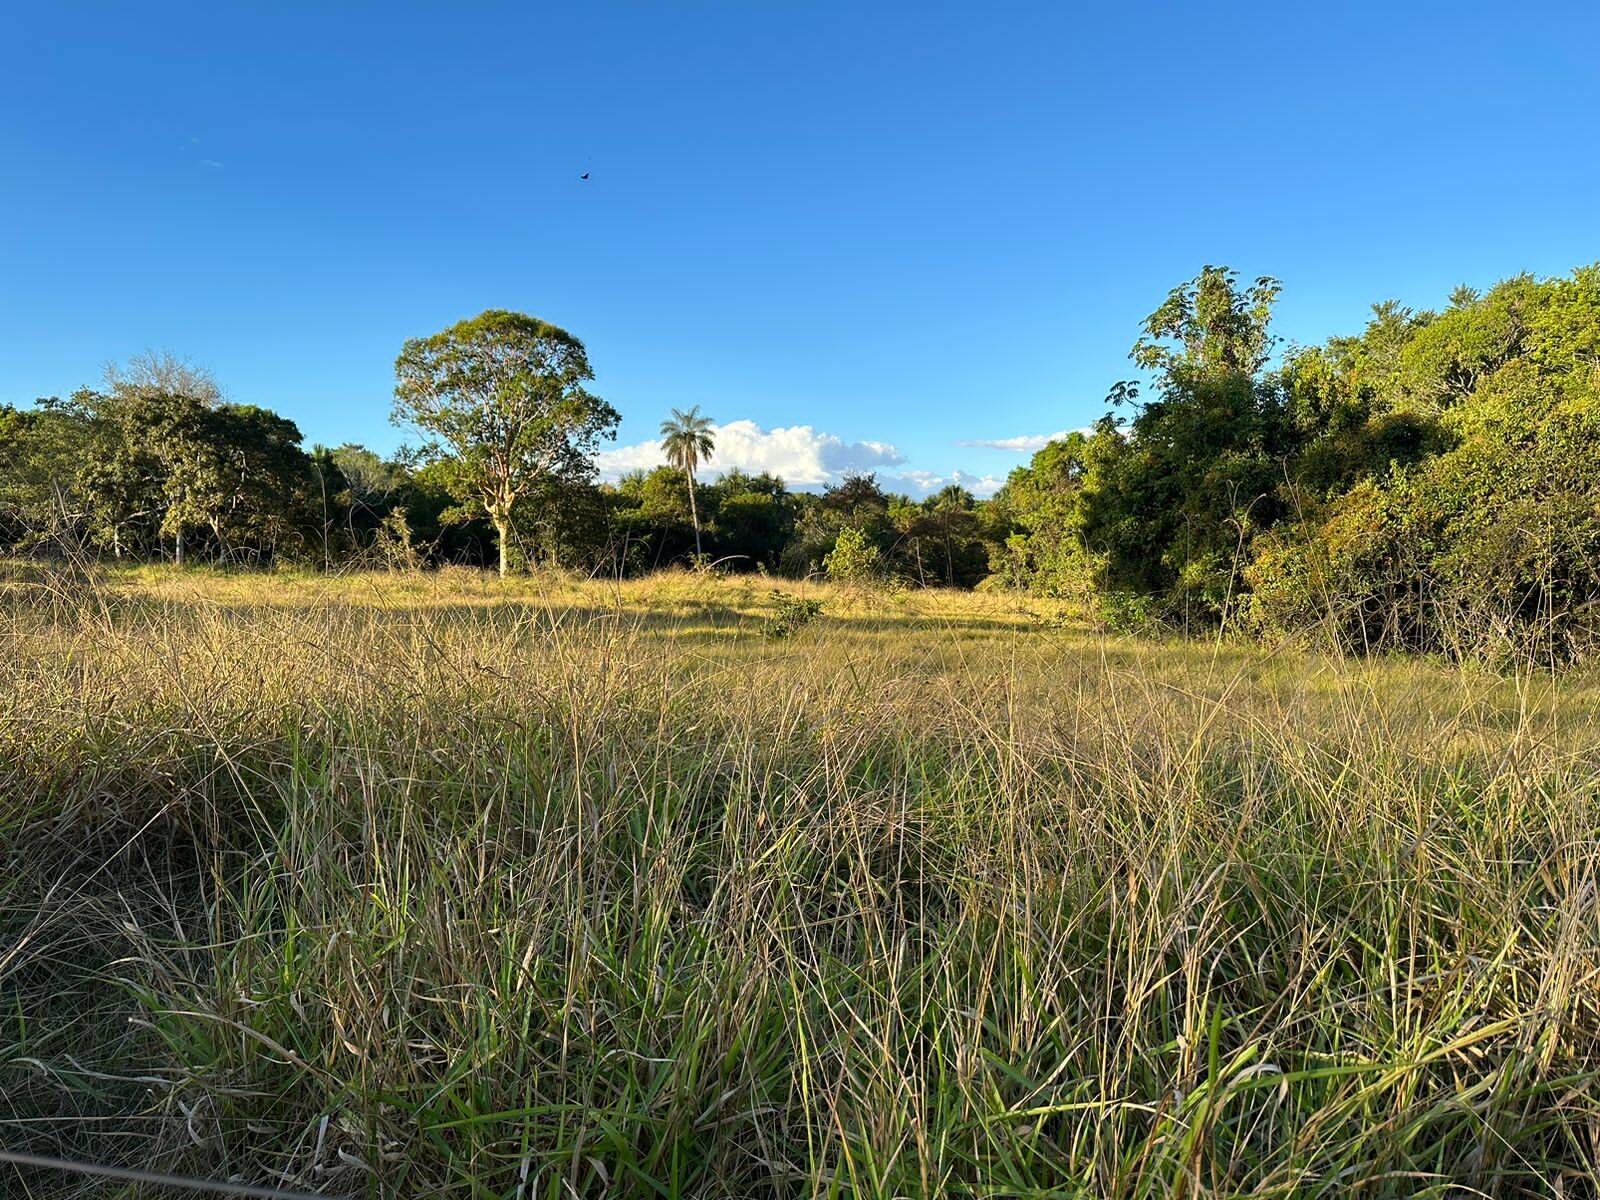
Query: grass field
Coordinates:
[438,885]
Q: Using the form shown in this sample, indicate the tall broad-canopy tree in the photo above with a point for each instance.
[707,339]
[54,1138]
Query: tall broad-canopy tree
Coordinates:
[687,441]
[233,476]
[157,471]
[504,394]
[1163,504]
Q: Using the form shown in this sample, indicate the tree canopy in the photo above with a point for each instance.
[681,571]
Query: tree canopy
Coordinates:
[503,395]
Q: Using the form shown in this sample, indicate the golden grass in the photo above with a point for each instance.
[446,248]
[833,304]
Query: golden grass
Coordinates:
[447,885]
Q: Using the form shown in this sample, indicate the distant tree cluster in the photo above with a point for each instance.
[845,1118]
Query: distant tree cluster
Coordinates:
[755,522]
[154,463]
[157,465]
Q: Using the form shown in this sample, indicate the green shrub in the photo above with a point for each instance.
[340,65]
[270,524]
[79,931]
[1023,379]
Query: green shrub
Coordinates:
[392,543]
[793,614]
[853,559]
[1129,612]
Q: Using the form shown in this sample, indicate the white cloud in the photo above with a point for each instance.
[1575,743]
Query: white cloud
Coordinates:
[925,483]
[799,454]
[1027,443]
[641,456]
[803,457]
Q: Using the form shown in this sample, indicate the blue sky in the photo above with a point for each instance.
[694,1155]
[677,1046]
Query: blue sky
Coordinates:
[887,231]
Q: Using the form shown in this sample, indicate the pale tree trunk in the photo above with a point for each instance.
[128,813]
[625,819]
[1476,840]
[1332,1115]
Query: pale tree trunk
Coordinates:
[694,517]
[502,529]
[497,502]
[183,498]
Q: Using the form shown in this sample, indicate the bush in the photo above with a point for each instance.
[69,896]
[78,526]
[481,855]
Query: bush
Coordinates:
[392,543]
[853,559]
[793,614]
[1129,612]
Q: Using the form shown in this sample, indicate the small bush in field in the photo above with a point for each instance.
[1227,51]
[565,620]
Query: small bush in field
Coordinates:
[793,614]
[393,545]
[853,559]
[1128,612]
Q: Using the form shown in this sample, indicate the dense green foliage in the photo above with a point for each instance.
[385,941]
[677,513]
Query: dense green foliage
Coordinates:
[157,466]
[853,559]
[135,473]
[1429,483]
[1452,474]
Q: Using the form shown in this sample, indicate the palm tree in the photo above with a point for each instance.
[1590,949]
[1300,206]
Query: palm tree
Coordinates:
[687,440]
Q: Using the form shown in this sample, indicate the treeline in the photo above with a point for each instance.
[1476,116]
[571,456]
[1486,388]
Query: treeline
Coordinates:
[156,466]
[1432,482]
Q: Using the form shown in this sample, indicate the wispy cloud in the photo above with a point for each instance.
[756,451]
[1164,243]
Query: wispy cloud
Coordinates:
[1027,443]
[210,162]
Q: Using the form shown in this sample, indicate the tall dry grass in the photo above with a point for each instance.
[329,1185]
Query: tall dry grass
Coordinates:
[435,885]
